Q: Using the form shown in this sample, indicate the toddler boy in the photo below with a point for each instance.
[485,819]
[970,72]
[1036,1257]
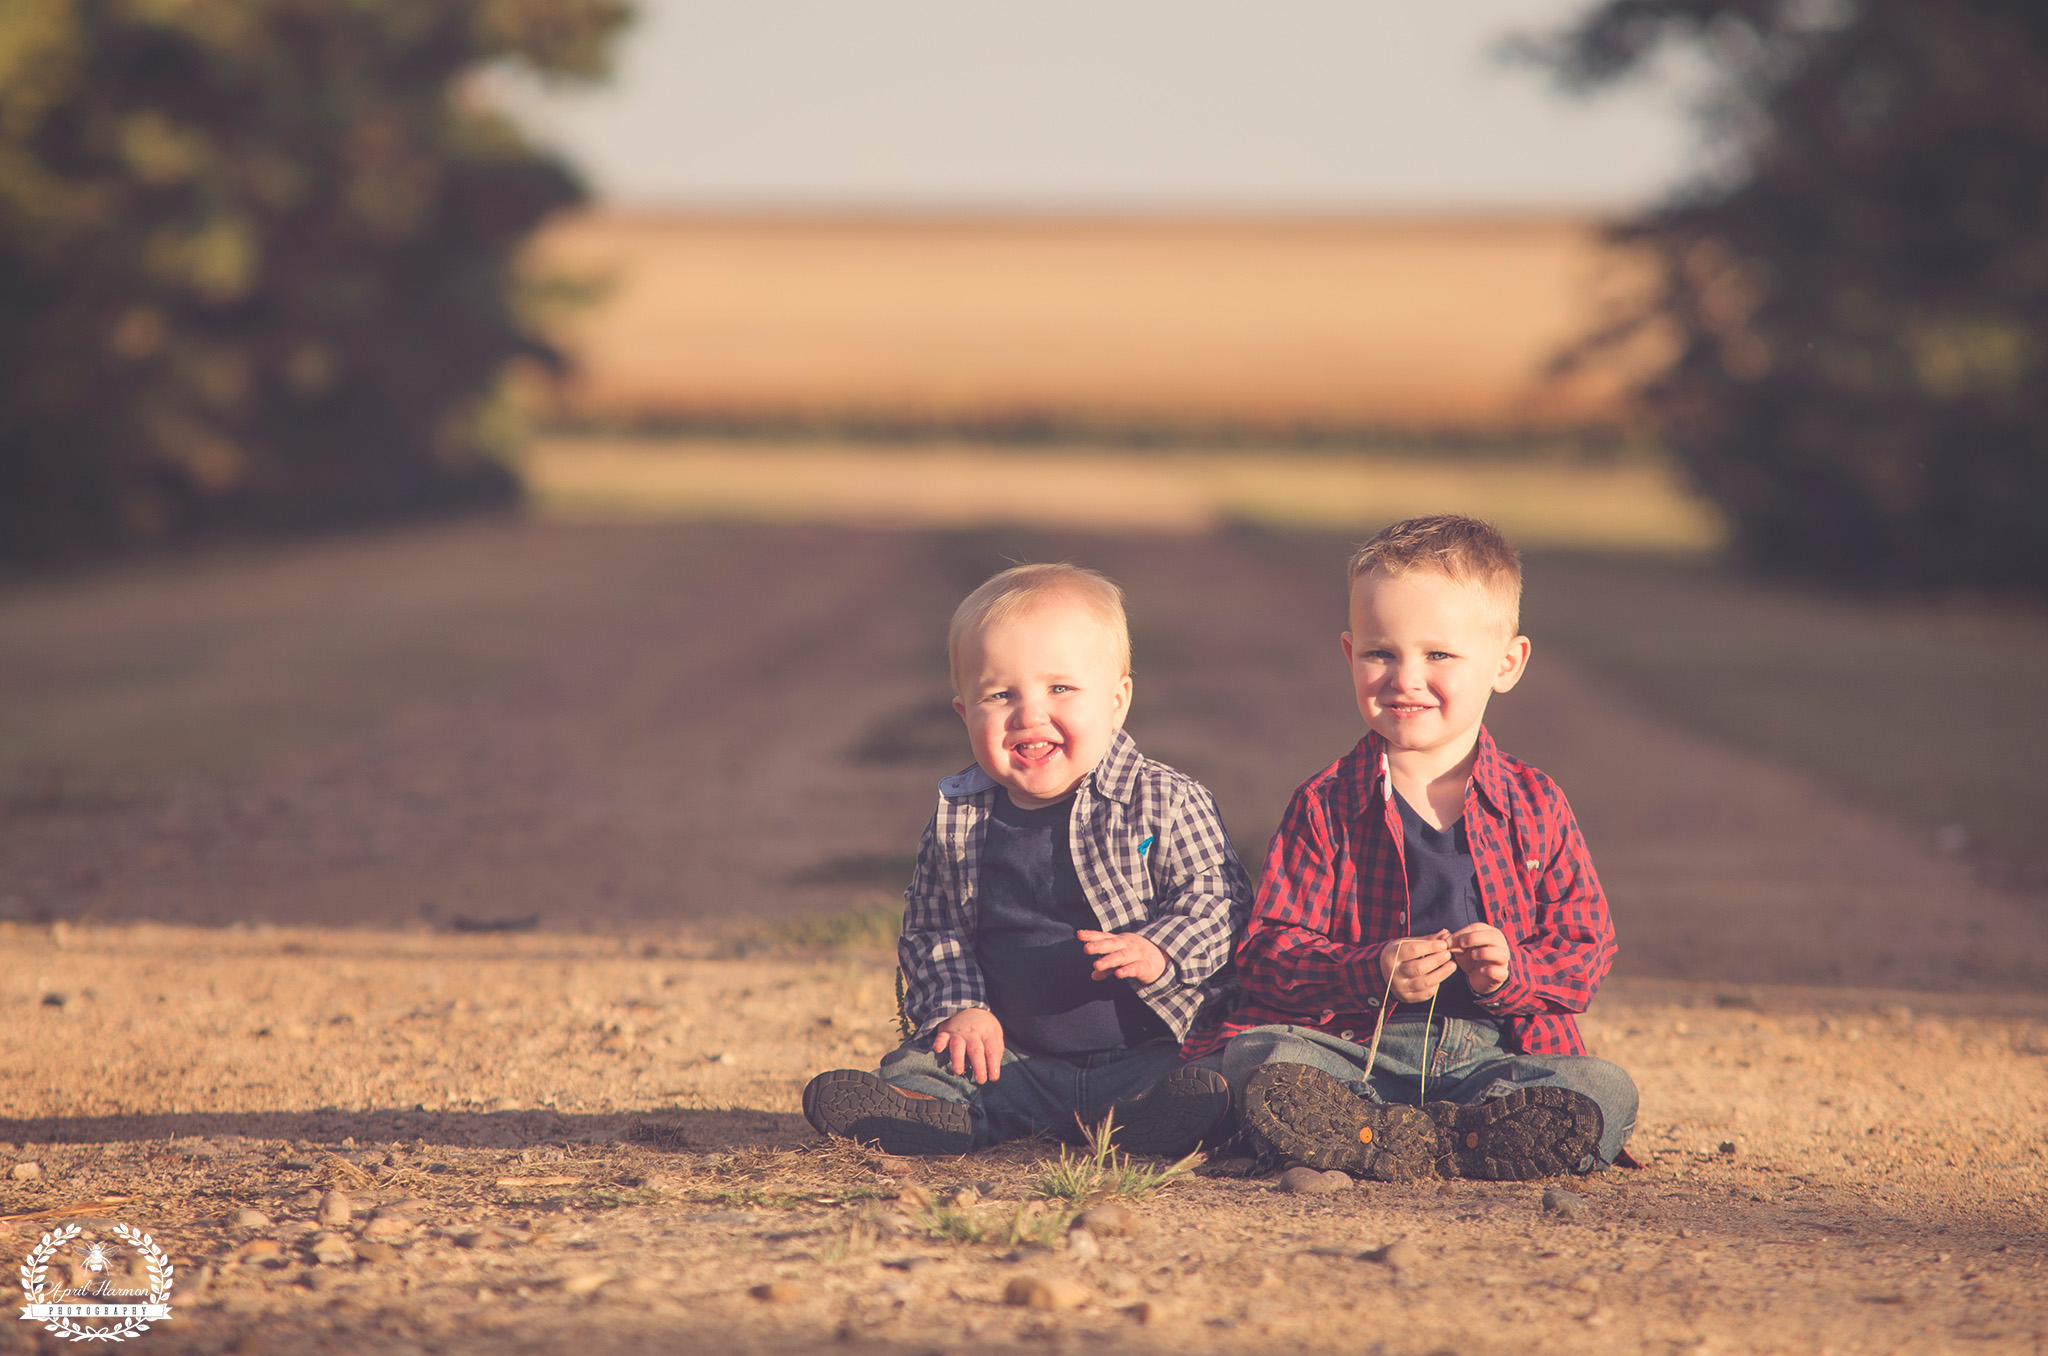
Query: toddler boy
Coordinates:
[1072,910]
[1429,919]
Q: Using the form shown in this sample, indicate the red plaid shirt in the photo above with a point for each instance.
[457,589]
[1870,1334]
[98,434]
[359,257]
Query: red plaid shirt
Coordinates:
[1335,892]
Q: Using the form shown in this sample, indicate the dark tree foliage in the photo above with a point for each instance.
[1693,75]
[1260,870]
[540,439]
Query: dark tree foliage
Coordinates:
[256,259]
[1861,297]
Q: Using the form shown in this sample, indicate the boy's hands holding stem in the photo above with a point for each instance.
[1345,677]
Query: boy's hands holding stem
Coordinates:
[1416,966]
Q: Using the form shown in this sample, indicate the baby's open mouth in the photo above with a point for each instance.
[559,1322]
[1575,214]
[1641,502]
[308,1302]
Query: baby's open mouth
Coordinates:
[1034,750]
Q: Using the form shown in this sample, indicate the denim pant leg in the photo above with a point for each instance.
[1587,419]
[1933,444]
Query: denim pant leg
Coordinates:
[1035,1094]
[1119,1075]
[1340,1059]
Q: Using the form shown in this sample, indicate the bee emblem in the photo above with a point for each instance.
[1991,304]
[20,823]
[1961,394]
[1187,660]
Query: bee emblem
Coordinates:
[96,1257]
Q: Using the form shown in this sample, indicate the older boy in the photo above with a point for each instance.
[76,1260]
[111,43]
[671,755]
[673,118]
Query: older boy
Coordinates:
[1429,919]
[1073,906]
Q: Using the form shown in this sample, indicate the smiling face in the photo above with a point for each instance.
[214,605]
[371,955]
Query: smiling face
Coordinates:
[1043,694]
[1426,653]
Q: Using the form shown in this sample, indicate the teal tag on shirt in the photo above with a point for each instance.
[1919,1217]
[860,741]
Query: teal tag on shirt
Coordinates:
[1146,846]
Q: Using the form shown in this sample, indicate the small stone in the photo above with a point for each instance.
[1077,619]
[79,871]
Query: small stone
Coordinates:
[725,1057]
[778,1292]
[189,1284]
[266,1252]
[1082,1247]
[332,1250]
[25,1172]
[1307,1182]
[484,1237]
[1149,1311]
[1110,1220]
[1587,1285]
[1043,1292]
[377,1254]
[1565,1205]
[1399,1255]
[335,1210]
[388,1224]
[1338,1179]
[911,1196]
[308,1199]
[962,1196]
[1728,1147]
[55,1000]
[251,1219]
[586,1283]
[1684,1232]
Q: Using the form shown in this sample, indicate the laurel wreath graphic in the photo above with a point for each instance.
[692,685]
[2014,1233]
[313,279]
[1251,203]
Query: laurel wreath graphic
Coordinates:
[35,1281]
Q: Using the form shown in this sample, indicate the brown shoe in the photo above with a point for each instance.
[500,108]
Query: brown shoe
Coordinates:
[862,1107]
[1171,1117]
[1306,1114]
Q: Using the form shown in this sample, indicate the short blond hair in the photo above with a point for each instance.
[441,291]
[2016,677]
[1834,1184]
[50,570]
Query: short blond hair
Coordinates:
[1467,550]
[1021,588]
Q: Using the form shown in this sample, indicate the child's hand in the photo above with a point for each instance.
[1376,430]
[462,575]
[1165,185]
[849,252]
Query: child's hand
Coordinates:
[975,1039]
[1483,954]
[1125,955]
[1417,965]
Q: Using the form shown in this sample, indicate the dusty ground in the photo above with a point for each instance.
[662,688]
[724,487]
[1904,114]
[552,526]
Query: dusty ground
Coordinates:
[676,748]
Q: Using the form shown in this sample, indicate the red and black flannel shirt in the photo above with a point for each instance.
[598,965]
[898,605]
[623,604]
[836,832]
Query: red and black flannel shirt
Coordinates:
[1335,892]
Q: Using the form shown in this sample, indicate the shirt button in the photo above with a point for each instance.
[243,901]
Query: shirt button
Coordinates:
[1344,1035]
[1372,1002]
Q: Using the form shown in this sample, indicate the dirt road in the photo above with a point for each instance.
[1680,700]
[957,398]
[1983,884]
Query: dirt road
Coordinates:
[659,742]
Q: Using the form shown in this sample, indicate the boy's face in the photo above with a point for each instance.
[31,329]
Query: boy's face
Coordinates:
[1426,653]
[1043,697]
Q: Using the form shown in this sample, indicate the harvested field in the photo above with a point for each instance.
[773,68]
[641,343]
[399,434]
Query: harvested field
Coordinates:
[251,800]
[1438,325]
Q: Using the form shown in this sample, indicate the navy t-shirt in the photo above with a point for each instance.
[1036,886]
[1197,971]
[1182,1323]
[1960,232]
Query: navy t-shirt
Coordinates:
[1040,982]
[1443,892]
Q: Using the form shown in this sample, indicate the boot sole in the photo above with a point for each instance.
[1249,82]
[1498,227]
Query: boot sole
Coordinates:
[1172,1117]
[863,1108]
[1306,1114]
[1530,1133]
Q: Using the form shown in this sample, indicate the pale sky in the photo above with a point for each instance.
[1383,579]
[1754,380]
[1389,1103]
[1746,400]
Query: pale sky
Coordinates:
[1254,105]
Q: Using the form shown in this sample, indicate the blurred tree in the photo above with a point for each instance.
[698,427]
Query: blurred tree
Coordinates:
[1860,290]
[256,259]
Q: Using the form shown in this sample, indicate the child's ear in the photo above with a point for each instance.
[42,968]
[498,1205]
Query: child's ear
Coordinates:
[1121,702]
[960,707]
[1512,664]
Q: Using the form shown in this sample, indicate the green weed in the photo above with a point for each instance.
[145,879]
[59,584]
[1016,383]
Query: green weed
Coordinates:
[1102,1173]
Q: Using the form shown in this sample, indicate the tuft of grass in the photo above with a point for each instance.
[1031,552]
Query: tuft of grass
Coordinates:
[1100,1172]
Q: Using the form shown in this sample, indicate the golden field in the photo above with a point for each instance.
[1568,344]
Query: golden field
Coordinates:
[1445,325]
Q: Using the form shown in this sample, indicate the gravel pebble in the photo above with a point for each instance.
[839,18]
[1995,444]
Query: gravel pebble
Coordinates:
[25,1172]
[332,1250]
[778,1292]
[389,1224]
[1565,1205]
[1308,1181]
[377,1254]
[1081,1246]
[1043,1292]
[335,1209]
[1110,1220]
[251,1219]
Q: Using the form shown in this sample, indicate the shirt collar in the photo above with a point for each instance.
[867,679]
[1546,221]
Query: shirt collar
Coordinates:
[1489,777]
[1114,777]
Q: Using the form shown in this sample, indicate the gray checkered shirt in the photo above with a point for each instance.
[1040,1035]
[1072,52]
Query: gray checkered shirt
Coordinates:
[1153,859]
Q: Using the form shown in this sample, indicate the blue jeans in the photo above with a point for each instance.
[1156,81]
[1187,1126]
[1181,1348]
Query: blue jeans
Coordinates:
[1466,1064]
[1037,1094]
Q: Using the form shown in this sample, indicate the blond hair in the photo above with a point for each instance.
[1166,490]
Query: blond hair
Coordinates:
[1021,588]
[1466,550]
